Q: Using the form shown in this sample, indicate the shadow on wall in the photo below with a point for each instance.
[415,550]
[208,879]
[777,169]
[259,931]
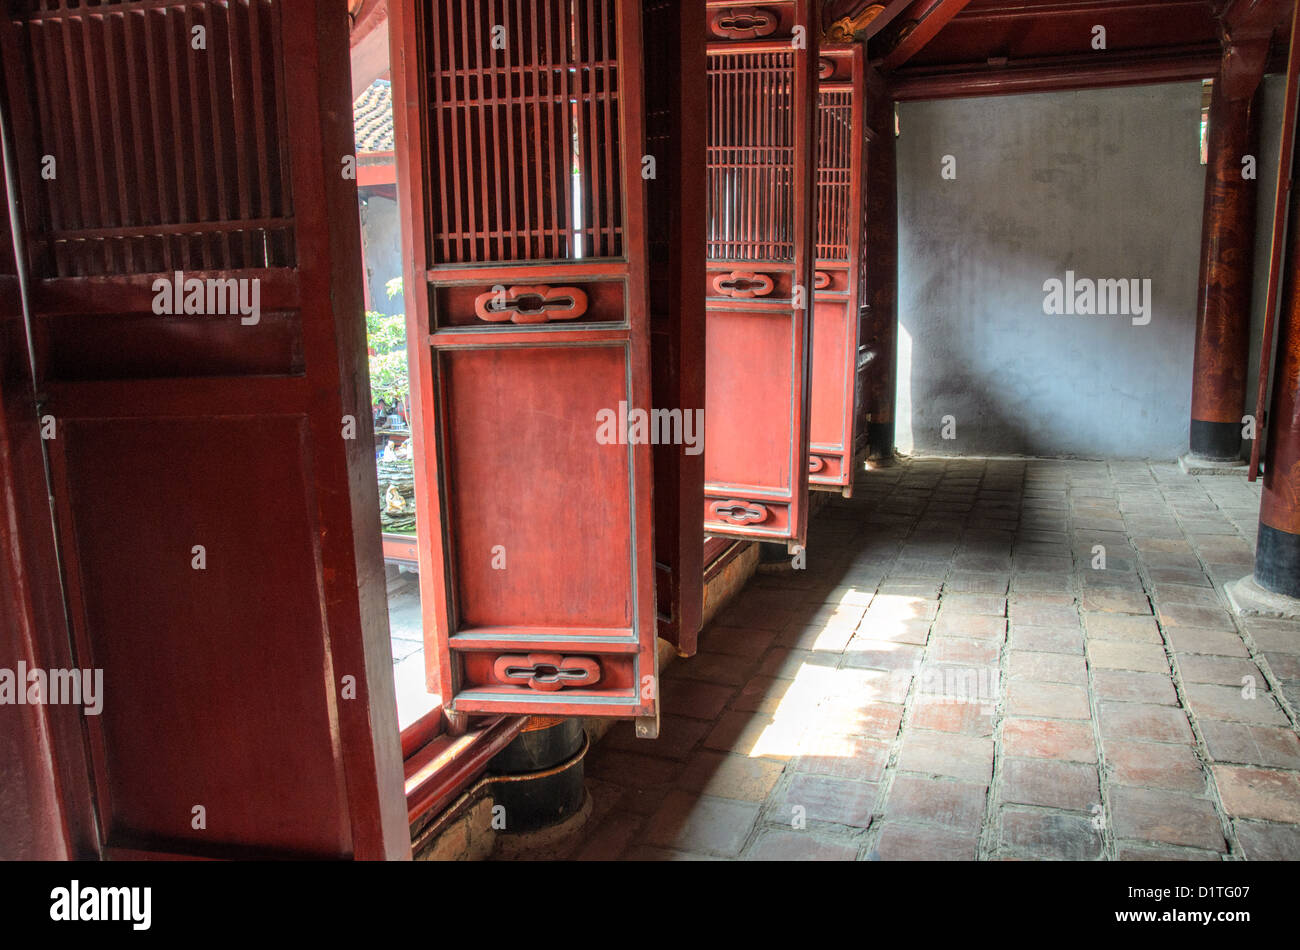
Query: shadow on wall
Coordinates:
[940,427]
[1000,195]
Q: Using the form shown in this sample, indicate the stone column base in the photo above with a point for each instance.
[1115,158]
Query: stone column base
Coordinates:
[1195,465]
[1248,599]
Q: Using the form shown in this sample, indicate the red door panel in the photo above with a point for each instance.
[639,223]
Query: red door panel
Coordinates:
[223,635]
[760,268]
[838,287]
[218,528]
[520,170]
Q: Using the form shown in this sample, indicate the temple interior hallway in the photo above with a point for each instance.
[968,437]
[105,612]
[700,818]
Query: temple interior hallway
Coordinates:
[957,675]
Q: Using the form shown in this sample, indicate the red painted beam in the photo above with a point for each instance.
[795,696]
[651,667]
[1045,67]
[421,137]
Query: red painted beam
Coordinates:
[890,14]
[368,38]
[379,173]
[939,16]
[366,16]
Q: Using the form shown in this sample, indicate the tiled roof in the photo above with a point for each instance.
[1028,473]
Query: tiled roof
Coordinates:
[372,117]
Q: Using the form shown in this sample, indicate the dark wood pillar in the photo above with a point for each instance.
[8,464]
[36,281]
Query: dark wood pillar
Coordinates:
[1277,552]
[1227,246]
[878,339]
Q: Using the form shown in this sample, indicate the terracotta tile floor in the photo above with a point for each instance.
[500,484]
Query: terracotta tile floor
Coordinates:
[983,659]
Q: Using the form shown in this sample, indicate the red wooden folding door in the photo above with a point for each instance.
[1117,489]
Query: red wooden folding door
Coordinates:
[211,469]
[523,171]
[839,289]
[762,95]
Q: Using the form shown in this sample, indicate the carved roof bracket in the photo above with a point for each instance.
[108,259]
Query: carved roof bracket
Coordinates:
[852,28]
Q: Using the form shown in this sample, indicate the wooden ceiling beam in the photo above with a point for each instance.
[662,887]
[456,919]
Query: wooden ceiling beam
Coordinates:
[914,37]
[369,41]
[366,16]
[1022,9]
[1055,73]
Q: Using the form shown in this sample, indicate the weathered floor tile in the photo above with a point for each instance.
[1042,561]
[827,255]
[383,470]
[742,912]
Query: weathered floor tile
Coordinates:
[1265,794]
[711,826]
[927,688]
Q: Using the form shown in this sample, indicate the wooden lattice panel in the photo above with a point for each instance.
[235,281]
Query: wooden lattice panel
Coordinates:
[751,156]
[523,127]
[157,135]
[835,203]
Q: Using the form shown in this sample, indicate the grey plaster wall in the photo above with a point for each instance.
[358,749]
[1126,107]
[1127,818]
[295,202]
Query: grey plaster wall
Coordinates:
[381,233]
[1104,183]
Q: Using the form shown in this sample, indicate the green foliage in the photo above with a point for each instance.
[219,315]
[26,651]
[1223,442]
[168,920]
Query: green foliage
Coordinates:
[386,337]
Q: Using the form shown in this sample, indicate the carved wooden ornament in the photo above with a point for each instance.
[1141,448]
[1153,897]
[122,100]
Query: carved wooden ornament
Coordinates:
[743,284]
[846,29]
[749,24]
[538,304]
[546,671]
[739,512]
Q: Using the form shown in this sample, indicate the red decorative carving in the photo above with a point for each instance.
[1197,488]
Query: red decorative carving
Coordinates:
[743,284]
[821,280]
[739,512]
[816,463]
[539,304]
[548,672]
[750,24]
[825,68]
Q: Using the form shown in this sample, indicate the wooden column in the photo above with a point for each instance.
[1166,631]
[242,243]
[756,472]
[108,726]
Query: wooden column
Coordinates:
[878,340]
[1227,254]
[1277,552]
[676,130]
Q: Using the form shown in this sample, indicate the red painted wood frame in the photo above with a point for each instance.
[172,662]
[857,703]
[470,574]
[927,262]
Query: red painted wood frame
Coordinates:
[676,129]
[762,98]
[839,290]
[45,810]
[520,135]
[215,509]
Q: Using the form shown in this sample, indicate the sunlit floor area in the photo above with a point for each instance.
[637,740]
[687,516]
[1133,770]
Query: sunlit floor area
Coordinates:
[406,635]
[983,659]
